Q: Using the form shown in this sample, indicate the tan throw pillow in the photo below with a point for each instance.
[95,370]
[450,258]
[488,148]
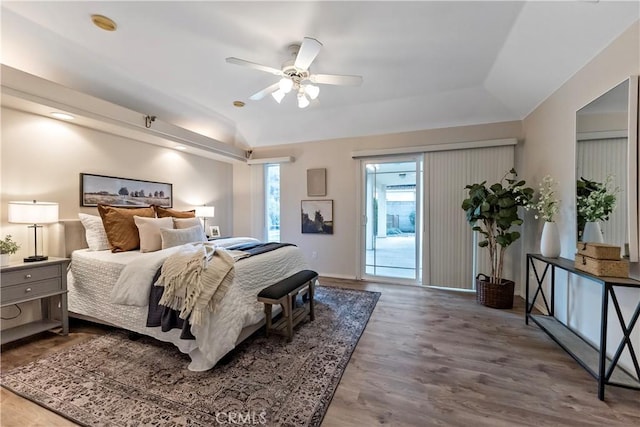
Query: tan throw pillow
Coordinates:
[180,223]
[120,226]
[171,238]
[149,231]
[166,212]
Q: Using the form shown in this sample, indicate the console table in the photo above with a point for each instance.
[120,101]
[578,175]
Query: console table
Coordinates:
[594,360]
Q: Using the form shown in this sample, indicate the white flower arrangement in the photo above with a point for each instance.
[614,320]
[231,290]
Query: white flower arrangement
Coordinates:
[546,205]
[596,201]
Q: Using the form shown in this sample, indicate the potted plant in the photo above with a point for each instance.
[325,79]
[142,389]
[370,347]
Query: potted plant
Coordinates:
[7,248]
[492,211]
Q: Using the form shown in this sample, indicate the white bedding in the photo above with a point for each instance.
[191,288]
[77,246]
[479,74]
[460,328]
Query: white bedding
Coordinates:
[94,274]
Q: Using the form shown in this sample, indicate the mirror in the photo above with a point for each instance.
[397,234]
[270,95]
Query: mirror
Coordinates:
[606,157]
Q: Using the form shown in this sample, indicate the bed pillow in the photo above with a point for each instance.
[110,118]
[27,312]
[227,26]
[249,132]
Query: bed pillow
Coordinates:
[149,232]
[166,212]
[181,223]
[95,234]
[121,228]
[187,222]
[177,237]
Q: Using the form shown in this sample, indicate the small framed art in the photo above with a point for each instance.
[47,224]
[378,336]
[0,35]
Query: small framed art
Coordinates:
[316,182]
[214,231]
[317,216]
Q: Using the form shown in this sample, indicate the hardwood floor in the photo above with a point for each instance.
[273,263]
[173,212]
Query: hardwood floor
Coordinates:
[427,357]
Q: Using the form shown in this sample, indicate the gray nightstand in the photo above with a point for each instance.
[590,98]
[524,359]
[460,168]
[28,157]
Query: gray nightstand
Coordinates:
[32,281]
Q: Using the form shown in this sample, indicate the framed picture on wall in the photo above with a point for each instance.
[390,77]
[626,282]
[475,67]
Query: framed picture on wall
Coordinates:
[317,216]
[316,182]
[123,192]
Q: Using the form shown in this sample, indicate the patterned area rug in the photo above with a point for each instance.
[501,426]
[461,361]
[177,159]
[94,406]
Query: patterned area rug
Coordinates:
[113,381]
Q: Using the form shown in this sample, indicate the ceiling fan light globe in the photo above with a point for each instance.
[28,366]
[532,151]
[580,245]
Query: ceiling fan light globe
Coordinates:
[312,90]
[286,84]
[278,95]
[303,101]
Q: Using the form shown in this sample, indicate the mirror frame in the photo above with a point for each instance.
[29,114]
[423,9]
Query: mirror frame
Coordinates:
[633,205]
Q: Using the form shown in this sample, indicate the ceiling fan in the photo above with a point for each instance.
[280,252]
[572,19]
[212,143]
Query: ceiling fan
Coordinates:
[296,75]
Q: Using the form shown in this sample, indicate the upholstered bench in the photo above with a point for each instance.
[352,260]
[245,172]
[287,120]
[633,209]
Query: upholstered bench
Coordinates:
[284,293]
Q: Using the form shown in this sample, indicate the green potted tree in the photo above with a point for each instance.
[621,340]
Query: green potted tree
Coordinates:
[7,248]
[493,211]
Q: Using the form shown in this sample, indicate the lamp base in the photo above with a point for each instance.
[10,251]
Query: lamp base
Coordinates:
[34,258]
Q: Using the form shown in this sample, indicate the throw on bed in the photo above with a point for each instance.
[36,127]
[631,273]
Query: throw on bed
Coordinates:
[195,280]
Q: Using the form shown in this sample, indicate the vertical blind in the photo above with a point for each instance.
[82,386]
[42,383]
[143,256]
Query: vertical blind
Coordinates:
[449,245]
[597,158]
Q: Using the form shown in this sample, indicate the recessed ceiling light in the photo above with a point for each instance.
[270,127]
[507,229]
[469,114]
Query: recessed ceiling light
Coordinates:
[238,104]
[103,22]
[62,116]
[180,147]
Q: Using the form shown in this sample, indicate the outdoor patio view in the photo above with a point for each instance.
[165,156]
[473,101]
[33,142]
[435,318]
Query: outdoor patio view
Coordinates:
[391,249]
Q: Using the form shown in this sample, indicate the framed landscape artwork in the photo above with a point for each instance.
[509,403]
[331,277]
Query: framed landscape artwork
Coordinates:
[317,216]
[123,192]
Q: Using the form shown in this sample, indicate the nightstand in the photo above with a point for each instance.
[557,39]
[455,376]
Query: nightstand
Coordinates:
[32,281]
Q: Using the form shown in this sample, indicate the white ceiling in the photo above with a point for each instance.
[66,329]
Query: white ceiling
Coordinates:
[425,64]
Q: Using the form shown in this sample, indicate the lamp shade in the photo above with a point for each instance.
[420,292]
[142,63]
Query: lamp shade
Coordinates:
[205,211]
[33,212]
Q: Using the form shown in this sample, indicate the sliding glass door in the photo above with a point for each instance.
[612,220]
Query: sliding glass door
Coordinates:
[392,225]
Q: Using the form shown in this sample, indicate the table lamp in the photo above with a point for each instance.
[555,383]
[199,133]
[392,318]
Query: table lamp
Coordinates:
[205,212]
[34,213]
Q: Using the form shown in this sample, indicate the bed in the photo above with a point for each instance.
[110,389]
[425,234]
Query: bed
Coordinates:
[94,275]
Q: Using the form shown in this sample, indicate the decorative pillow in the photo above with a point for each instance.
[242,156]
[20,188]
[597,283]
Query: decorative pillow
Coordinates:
[166,212]
[177,237]
[120,226]
[187,222]
[149,231]
[94,232]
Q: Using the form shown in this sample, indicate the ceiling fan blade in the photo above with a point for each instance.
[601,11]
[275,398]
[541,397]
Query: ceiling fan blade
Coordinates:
[264,92]
[307,53]
[255,66]
[335,79]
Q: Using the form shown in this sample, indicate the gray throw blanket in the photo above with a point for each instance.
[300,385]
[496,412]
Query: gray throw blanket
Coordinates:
[195,280]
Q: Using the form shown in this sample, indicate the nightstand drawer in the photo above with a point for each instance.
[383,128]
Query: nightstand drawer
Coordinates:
[30,275]
[30,290]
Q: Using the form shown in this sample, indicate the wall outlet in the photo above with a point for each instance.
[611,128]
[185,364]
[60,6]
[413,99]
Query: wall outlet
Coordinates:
[314,255]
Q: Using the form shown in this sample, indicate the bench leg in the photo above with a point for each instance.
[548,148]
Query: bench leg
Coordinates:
[267,315]
[312,314]
[289,314]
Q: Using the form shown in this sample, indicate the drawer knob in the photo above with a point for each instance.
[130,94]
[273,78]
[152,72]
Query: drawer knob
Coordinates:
[27,276]
[28,290]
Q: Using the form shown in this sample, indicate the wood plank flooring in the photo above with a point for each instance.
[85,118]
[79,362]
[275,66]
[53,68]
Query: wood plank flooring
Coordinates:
[428,357]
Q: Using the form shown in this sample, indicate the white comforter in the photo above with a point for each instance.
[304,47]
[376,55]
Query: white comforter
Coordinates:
[239,308]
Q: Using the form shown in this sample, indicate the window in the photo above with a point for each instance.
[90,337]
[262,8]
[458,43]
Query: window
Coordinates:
[272,199]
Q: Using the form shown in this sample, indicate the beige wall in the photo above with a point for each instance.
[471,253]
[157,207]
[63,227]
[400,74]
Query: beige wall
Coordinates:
[336,254]
[42,159]
[549,148]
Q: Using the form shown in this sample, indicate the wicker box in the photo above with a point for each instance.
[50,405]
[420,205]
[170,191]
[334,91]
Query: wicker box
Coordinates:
[599,251]
[602,267]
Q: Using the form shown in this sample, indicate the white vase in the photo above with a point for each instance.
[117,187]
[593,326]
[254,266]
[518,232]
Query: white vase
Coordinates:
[592,233]
[4,259]
[550,240]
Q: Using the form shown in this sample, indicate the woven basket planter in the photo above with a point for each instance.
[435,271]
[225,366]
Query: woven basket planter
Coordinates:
[494,295]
